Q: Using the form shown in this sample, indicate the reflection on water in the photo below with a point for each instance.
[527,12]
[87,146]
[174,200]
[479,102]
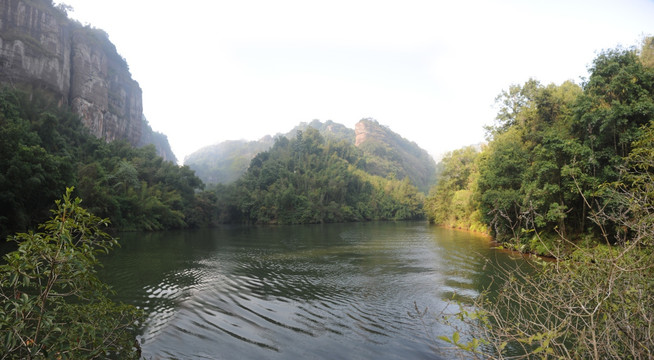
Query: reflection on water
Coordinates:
[318,291]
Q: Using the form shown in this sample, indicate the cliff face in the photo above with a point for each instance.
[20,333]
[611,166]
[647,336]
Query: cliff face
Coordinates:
[41,49]
[367,129]
[102,90]
[35,47]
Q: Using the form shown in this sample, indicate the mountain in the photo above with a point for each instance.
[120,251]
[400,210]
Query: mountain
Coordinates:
[329,130]
[225,162]
[44,52]
[389,154]
[308,179]
[386,153]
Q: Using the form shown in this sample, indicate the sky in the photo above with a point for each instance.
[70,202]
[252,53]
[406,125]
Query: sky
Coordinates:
[214,70]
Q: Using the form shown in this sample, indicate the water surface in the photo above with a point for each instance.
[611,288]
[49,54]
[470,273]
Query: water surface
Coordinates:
[337,291]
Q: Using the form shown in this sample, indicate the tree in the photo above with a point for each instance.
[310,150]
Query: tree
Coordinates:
[501,170]
[452,202]
[647,52]
[618,99]
[308,179]
[596,302]
[52,304]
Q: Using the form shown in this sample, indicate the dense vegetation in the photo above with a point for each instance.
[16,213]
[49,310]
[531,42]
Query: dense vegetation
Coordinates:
[389,154]
[44,149]
[552,149]
[385,154]
[53,304]
[225,162]
[308,179]
[567,173]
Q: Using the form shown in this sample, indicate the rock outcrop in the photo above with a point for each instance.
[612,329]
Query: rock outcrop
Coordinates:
[41,49]
[367,129]
[389,154]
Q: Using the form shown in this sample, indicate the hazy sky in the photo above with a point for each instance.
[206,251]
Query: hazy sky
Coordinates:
[214,70]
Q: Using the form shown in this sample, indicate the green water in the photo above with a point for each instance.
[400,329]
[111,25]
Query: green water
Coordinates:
[338,291]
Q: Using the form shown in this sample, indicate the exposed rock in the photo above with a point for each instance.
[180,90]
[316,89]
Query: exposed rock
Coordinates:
[42,50]
[35,44]
[102,89]
[367,129]
[389,154]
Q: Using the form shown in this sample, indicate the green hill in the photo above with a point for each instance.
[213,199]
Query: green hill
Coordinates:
[310,179]
[389,154]
[385,153]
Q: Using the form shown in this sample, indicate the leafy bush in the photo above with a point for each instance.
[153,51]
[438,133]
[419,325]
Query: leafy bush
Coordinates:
[52,304]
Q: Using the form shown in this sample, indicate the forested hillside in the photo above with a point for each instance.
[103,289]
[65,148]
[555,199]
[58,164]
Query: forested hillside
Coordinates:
[554,152]
[45,148]
[389,154]
[384,153]
[309,179]
[225,162]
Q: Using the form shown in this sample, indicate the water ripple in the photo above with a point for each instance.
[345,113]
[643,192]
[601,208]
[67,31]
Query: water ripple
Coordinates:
[345,291]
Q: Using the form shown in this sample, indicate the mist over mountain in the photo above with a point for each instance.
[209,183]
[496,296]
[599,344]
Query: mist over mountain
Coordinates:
[386,153]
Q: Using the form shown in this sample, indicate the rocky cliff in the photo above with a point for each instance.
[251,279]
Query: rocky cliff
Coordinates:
[42,50]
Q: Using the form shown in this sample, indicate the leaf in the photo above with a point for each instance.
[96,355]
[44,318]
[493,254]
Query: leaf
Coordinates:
[446,339]
[455,337]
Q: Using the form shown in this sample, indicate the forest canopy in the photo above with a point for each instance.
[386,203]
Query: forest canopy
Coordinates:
[309,179]
[44,149]
[552,150]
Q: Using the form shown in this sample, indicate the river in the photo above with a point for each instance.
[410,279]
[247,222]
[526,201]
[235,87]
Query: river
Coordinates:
[336,291]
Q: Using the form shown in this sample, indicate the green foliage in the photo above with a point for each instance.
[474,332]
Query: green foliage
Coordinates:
[647,52]
[389,154]
[310,180]
[43,149]
[32,171]
[618,98]
[225,162]
[452,202]
[522,172]
[52,305]
[586,172]
[549,154]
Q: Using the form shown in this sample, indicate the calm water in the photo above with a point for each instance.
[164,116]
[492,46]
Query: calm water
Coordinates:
[338,291]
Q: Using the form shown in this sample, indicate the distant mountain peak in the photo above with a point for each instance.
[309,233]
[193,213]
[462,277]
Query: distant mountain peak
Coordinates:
[386,153]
